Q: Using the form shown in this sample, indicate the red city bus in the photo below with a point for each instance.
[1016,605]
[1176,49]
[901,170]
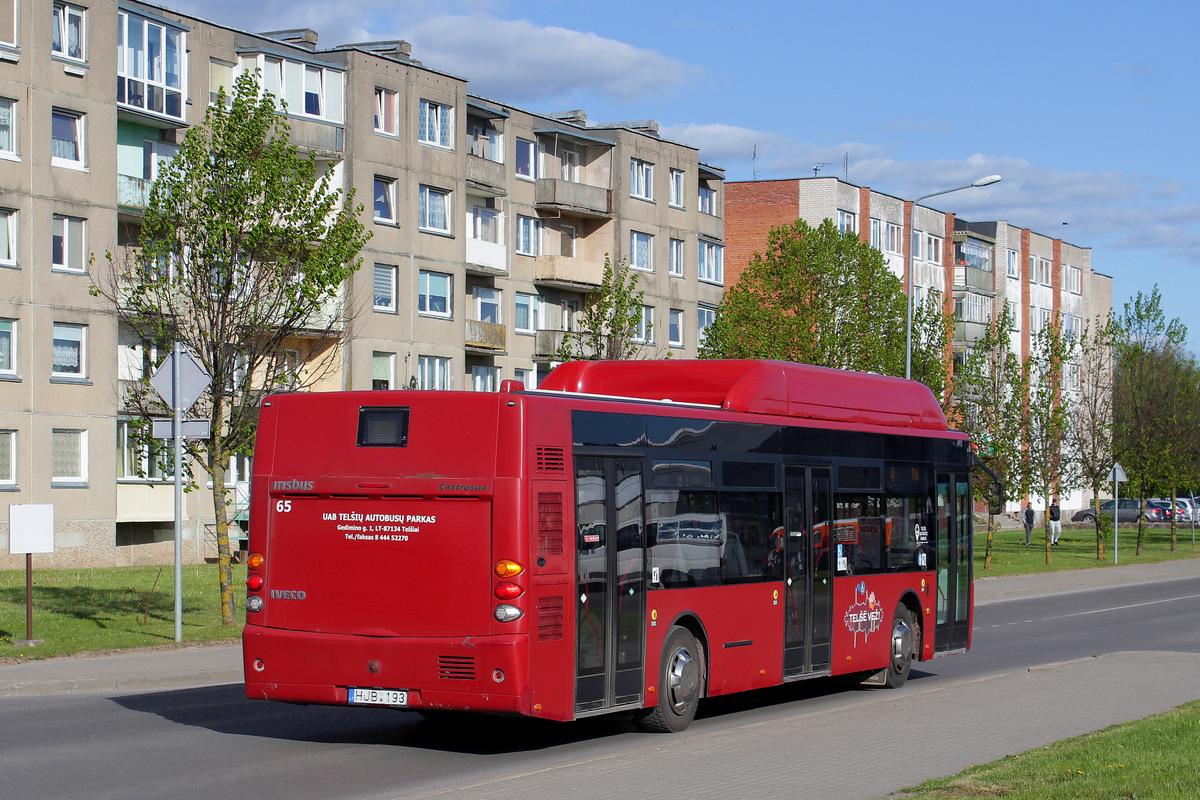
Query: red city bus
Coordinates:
[630,536]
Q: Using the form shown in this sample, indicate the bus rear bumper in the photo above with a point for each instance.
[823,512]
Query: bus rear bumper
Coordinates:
[485,673]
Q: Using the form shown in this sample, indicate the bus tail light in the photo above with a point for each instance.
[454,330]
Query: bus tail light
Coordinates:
[507,568]
[255,561]
[506,613]
[506,590]
[254,603]
[254,582]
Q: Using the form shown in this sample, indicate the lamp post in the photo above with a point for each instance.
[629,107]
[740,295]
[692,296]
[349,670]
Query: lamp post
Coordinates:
[912,230]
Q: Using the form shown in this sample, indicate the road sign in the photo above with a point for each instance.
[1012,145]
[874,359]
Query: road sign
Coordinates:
[1117,474]
[189,429]
[193,380]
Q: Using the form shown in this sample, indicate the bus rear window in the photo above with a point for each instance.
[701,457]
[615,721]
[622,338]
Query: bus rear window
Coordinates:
[383,427]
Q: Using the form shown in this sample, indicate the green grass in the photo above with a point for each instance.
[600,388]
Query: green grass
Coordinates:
[1076,549]
[1152,759]
[84,610]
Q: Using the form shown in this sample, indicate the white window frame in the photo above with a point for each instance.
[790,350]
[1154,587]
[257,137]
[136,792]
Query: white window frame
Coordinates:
[10,121]
[433,372]
[488,302]
[429,200]
[435,126]
[676,185]
[710,262]
[675,258]
[290,81]
[427,294]
[1014,264]
[483,219]
[9,229]
[73,235]
[64,13]
[894,239]
[569,165]
[384,293]
[160,89]
[641,179]
[8,466]
[387,361]
[675,328]
[527,165]
[146,462]
[933,248]
[1014,313]
[533,305]
[915,241]
[78,124]
[60,333]
[643,333]
[1072,279]
[387,112]
[847,222]
[526,376]
[81,470]
[705,316]
[567,237]
[877,233]
[389,196]
[641,251]
[485,378]
[706,200]
[529,236]
[10,330]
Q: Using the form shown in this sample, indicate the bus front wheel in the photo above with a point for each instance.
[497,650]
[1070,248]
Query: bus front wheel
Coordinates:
[905,640]
[681,673]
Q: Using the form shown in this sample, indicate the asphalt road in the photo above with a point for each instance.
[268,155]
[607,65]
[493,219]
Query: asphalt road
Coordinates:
[1041,669]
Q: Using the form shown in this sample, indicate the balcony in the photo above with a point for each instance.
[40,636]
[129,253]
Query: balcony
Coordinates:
[577,199]
[967,333]
[487,338]
[486,175]
[323,139]
[982,281]
[568,272]
[486,258]
[546,344]
[710,227]
[133,193]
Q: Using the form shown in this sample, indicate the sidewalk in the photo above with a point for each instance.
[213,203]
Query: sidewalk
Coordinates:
[206,665]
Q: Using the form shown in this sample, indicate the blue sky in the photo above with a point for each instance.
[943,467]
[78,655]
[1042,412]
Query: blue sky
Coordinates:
[1089,110]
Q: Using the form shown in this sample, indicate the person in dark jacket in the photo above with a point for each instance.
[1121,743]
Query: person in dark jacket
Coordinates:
[1055,515]
[1027,518]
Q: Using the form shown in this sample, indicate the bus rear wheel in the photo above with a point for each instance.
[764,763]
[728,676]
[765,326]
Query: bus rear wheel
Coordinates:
[681,673]
[903,647]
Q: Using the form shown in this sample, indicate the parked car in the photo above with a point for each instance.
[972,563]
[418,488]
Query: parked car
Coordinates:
[1184,510]
[1164,506]
[1129,512]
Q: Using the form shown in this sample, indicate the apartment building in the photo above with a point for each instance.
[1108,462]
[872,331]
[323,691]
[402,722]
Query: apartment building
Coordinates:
[491,224]
[974,266]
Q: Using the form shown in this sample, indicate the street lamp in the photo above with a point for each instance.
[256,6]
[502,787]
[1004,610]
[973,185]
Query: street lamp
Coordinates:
[912,230]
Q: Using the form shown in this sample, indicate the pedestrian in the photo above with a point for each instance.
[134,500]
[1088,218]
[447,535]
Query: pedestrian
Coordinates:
[1055,516]
[1027,518]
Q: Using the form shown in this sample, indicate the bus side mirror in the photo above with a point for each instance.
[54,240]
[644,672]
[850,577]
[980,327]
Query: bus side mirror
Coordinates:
[995,497]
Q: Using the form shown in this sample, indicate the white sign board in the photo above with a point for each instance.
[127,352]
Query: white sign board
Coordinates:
[190,429]
[30,529]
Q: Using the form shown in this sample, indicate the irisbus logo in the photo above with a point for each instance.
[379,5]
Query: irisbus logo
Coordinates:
[292,486]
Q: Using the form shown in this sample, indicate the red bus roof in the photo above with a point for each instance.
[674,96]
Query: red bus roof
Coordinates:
[759,387]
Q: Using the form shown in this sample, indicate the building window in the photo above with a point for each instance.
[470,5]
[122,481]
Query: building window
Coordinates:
[1014,313]
[385,288]
[525,376]
[973,308]
[308,90]
[433,372]
[847,222]
[1040,270]
[68,246]
[68,456]
[644,332]
[707,200]
[641,251]
[711,262]
[528,158]
[894,241]
[8,237]
[314,91]
[1014,264]
[641,179]
[8,458]
[385,200]
[569,161]
[877,233]
[70,351]
[434,210]
[8,347]
[485,379]
[528,312]
[1072,279]
[436,125]
[387,112]
[485,224]
[485,140]
[66,139]
[70,33]
[383,370]
[915,242]
[676,199]
[973,253]
[8,128]
[151,63]
[529,236]
[675,258]
[675,328]
[487,304]
[933,249]
[566,240]
[148,461]
[705,317]
[434,294]
[220,76]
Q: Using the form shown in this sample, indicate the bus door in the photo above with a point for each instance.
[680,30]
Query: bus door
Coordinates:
[611,592]
[953,627]
[808,576]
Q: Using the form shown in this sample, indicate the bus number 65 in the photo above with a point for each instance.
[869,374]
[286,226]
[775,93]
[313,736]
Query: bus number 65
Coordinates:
[283,506]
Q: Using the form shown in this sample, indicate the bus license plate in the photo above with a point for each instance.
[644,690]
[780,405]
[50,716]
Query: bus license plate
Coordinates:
[377,697]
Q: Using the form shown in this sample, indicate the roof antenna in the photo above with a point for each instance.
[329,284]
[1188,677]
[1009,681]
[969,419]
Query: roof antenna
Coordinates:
[817,168]
[754,163]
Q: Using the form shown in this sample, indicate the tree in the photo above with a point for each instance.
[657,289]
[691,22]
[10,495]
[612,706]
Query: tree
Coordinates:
[1092,423]
[818,296]
[611,321]
[989,404]
[242,256]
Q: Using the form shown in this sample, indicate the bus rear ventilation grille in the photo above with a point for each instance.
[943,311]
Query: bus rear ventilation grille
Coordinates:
[550,524]
[456,668]
[551,459]
[550,619]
